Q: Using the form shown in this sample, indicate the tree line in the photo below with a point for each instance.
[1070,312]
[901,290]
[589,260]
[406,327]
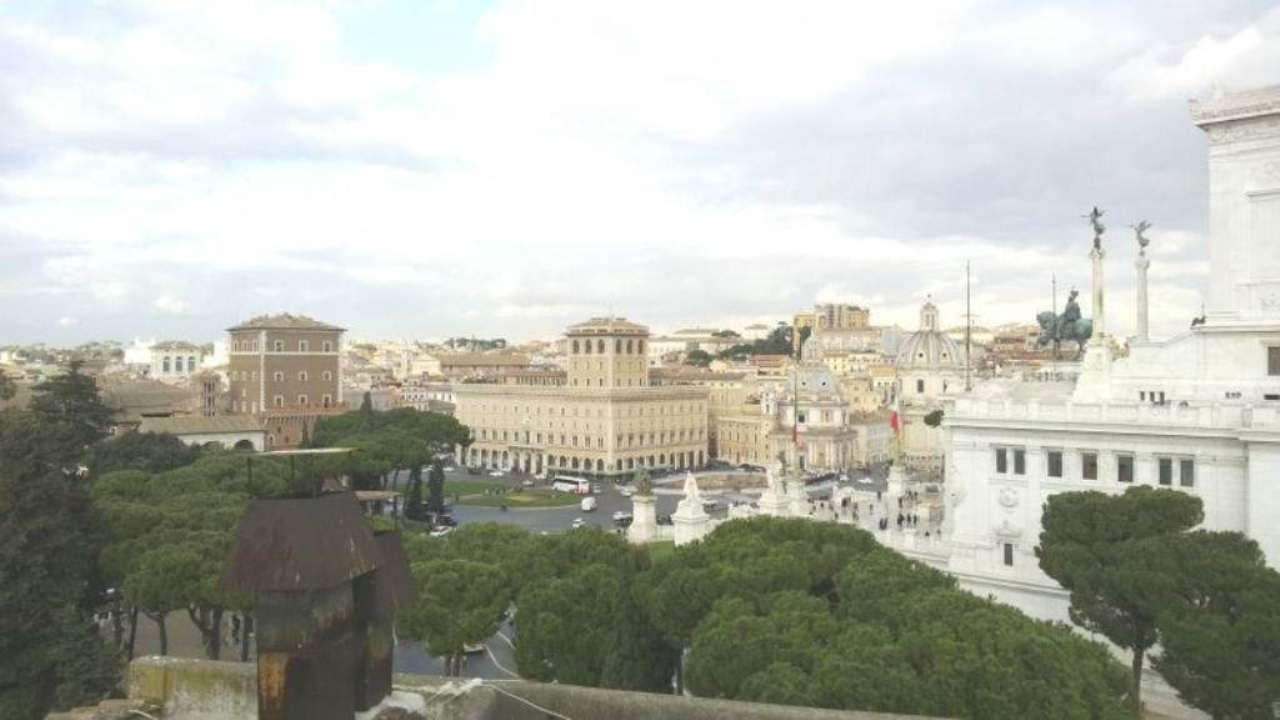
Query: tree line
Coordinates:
[769,610]
[138,526]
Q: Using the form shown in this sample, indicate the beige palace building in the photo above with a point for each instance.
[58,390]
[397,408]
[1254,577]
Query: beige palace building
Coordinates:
[284,370]
[604,417]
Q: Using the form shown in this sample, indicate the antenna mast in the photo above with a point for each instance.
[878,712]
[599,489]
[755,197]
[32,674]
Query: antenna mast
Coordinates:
[968,329]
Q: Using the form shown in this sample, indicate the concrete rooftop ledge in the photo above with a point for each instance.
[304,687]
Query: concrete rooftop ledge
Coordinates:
[191,689]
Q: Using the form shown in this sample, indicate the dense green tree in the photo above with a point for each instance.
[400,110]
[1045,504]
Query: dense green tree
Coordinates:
[1083,546]
[1219,622]
[50,653]
[563,625]
[435,488]
[72,398]
[7,387]
[638,657]
[459,603]
[152,452]
[414,506]
[698,358]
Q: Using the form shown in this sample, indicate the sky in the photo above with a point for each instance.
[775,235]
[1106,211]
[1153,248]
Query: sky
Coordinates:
[418,169]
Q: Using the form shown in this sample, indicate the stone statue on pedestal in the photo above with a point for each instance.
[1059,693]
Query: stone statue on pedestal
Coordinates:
[1067,326]
[1095,219]
[644,485]
[1143,240]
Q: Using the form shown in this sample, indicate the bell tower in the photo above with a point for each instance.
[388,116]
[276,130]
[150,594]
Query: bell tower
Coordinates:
[607,352]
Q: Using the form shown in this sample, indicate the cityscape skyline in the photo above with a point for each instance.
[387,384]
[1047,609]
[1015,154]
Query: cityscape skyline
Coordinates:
[473,176]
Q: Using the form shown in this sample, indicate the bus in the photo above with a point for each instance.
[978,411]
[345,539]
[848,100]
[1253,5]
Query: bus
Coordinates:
[571,484]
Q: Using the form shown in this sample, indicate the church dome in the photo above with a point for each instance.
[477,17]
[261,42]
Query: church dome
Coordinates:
[929,348]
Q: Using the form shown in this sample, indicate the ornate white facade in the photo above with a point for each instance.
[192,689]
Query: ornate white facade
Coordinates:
[1199,412]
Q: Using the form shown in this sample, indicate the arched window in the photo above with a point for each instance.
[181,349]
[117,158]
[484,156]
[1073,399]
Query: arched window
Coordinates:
[326,400]
[302,400]
[586,346]
[920,386]
[278,401]
[278,376]
[600,346]
[328,375]
[302,376]
[640,346]
[327,346]
[628,346]
[617,346]
[166,364]
[575,347]
[191,364]
[278,346]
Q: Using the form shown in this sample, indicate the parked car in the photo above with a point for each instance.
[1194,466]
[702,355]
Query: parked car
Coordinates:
[578,522]
[444,520]
[664,519]
[495,473]
[627,492]
[527,483]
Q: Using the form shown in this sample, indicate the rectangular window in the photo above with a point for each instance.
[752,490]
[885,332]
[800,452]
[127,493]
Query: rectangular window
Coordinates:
[1124,468]
[1089,466]
[1187,473]
[1002,460]
[1019,462]
[1054,463]
[1166,471]
[1273,360]
[1008,554]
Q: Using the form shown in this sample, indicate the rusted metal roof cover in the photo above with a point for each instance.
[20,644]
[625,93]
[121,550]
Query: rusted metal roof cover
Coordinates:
[289,544]
[395,584]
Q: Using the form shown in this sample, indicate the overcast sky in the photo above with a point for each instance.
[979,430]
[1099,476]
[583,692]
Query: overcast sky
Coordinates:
[418,169]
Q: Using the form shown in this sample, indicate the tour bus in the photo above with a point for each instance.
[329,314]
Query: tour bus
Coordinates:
[571,484]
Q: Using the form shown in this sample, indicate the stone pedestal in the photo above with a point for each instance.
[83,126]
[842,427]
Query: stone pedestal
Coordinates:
[691,522]
[798,499]
[644,520]
[774,504]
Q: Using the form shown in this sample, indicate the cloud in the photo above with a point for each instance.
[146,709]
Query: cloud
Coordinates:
[171,305]
[193,164]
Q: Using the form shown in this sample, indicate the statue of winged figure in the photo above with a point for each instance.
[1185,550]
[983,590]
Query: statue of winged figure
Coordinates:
[1138,230]
[1095,219]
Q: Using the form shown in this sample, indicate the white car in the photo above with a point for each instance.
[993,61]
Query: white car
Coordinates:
[496,473]
[578,522]
[626,491]
[441,532]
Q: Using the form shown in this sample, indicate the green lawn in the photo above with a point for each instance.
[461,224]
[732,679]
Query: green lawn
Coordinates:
[468,487]
[522,499]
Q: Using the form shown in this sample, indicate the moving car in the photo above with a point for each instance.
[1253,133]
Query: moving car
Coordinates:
[627,492]
[589,504]
[578,522]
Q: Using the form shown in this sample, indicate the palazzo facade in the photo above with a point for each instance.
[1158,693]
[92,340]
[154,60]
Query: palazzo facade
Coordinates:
[604,417]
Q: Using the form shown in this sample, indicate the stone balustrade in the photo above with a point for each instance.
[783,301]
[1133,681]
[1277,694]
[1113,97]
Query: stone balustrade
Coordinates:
[1218,415]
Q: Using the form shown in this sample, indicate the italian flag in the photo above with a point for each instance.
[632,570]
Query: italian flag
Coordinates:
[894,422]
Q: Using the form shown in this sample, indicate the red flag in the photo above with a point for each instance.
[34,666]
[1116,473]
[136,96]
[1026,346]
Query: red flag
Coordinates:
[893,416]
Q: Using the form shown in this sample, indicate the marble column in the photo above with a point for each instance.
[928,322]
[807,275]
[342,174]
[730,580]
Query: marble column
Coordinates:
[1099,309]
[1142,263]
